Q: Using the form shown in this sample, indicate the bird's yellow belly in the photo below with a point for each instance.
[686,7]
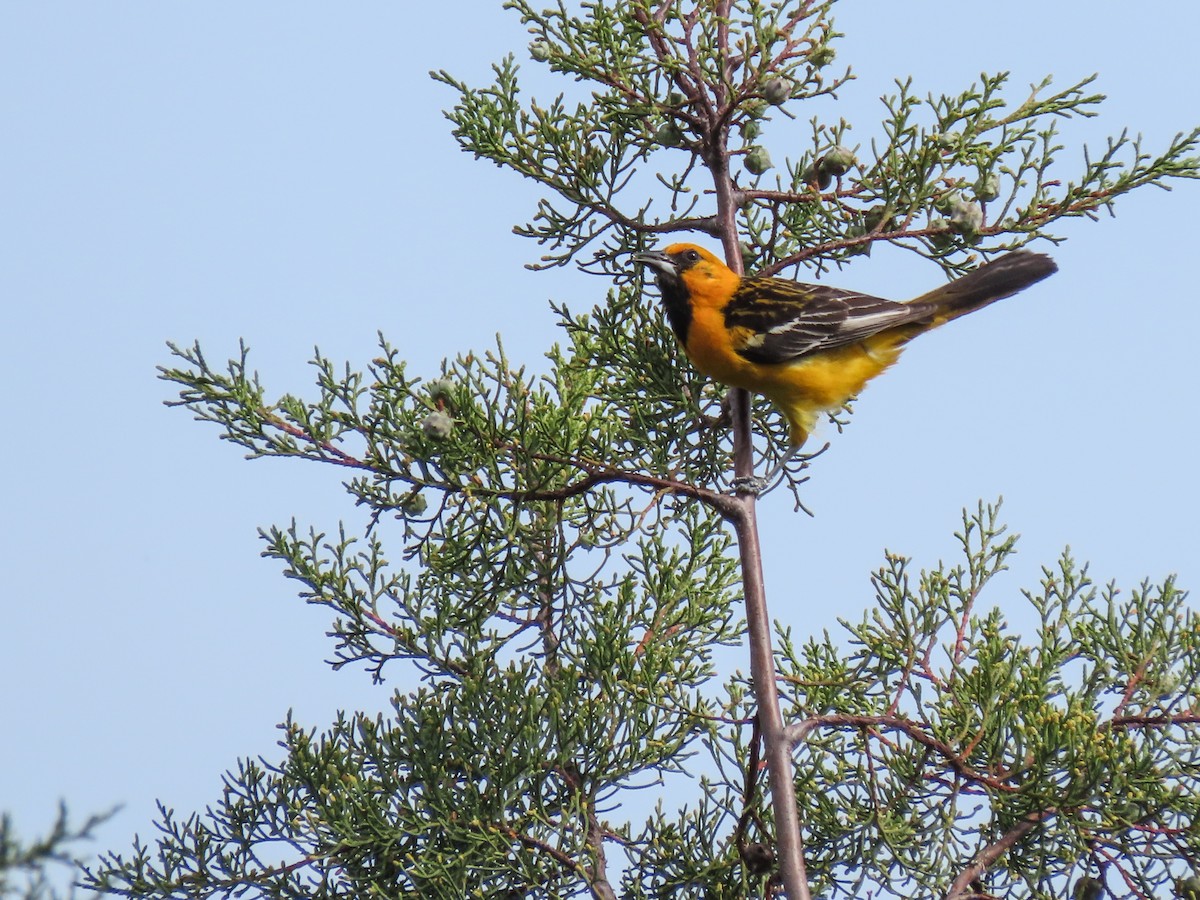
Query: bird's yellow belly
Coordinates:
[825,381]
[801,388]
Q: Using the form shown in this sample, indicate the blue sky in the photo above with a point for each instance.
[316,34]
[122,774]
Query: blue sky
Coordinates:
[282,173]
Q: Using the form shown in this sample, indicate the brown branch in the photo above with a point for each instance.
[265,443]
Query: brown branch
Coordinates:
[655,31]
[857,241]
[792,44]
[598,881]
[553,852]
[790,849]
[594,873]
[1116,860]
[706,224]
[725,79]
[599,473]
[596,474]
[408,646]
[692,60]
[960,634]
[906,675]
[340,457]
[1155,721]
[792,198]
[798,733]
[1134,680]
[961,886]
[777,749]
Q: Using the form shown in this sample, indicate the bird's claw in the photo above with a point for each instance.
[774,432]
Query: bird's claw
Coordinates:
[750,484]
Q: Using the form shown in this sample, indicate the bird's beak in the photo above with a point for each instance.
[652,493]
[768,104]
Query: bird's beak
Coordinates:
[657,260]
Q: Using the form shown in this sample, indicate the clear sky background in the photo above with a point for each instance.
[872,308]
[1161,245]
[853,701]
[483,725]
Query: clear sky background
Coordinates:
[281,172]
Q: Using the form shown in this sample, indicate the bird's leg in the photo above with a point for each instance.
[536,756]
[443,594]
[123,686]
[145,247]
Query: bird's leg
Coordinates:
[757,485]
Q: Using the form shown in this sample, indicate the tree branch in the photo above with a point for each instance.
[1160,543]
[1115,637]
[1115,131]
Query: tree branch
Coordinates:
[961,887]
[798,733]
[777,750]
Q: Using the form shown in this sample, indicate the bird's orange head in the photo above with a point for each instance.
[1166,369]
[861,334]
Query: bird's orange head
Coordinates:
[689,277]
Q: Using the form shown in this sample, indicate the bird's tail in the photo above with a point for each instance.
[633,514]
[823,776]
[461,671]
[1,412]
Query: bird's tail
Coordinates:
[990,282]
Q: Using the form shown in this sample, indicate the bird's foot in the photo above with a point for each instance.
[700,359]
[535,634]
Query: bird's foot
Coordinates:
[751,484]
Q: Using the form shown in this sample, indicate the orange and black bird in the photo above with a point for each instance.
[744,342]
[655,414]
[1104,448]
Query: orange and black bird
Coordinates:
[810,348]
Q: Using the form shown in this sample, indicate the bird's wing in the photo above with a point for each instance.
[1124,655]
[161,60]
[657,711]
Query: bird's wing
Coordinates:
[775,320]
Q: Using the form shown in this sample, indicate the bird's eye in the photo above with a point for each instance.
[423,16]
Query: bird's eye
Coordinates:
[692,256]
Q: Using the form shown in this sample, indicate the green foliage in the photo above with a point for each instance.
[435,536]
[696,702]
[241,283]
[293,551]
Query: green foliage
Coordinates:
[24,866]
[925,731]
[655,69]
[548,553]
[942,729]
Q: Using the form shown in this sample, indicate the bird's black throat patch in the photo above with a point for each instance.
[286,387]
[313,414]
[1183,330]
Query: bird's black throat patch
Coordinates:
[675,302]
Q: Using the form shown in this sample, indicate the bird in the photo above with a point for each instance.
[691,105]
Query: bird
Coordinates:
[809,348]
